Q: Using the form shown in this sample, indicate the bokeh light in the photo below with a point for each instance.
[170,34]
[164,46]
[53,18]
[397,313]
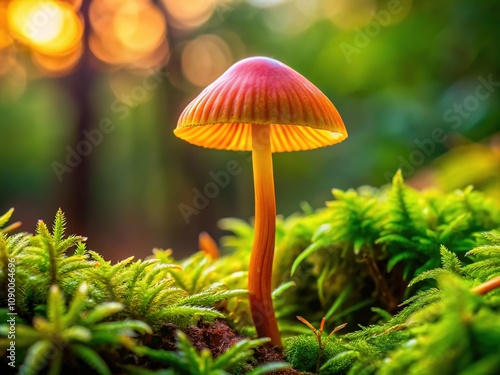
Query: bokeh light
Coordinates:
[48,31]
[140,30]
[48,27]
[58,65]
[128,32]
[205,58]
[188,14]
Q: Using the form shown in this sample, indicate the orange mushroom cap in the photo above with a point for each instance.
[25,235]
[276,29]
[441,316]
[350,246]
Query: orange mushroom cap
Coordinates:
[260,90]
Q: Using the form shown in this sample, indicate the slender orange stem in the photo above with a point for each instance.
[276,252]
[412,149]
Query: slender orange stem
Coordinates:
[261,259]
[487,286]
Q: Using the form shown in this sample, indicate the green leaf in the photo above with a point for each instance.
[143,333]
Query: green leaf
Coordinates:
[404,256]
[91,358]
[344,295]
[102,312]
[6,217]
[431,274]
[188,352]
[55,308]
[303,255]
[278,292]
[450,261]
[161,356]
[238,353]
[342,361]
[124,325]
[42,230]
[269,367]
[59,226]
[77,333]
[77,305]
[25,335]
[37,357]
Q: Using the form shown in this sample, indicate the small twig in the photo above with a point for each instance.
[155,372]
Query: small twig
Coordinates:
[336,329]
[487,286]
[319,333]
[306,322]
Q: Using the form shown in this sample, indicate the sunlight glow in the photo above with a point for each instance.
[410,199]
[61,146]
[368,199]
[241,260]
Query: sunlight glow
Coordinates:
[58,65]
[5,39]
[139,28]
[205,58]
[47,26]
[128,32]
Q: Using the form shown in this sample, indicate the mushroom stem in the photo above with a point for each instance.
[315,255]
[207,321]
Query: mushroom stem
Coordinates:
[261,258]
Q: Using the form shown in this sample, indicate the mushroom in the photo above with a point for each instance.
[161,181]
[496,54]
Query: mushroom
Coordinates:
[261,105]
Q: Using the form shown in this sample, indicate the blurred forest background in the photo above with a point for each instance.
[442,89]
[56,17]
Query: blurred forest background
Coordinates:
[90,92]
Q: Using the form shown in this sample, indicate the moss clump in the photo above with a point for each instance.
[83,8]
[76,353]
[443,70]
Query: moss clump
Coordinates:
[302,352]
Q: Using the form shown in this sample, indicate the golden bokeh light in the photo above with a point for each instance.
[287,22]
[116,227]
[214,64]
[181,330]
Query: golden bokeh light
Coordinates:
[205,58]
[38,23]
[139,27]
[128,32]
[101,15]
[58,65]
[48,27]
[108,50]
[188,14]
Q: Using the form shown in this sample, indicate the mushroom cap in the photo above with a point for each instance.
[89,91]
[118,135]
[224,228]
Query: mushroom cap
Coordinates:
[260,90]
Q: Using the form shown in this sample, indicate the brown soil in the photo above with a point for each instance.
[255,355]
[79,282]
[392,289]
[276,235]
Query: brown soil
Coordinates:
[217,337]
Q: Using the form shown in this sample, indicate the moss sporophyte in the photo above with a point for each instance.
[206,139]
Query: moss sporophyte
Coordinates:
[263,106]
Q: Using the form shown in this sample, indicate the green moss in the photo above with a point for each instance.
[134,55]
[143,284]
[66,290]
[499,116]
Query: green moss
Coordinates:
[354,261]
[302,352]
